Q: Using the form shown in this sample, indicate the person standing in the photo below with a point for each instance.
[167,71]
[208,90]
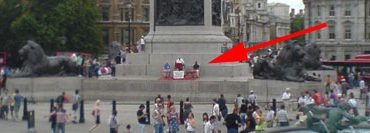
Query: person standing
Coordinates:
[209,127]
[353,104]
[17,103]
[158,117]
[317,97]
[260,120]
[196,68]
[243,113]
[96,114]
[282,117]
[5,100]
[170,103]
[251,122]
[238,101]
[173,120]
[216,110]
[223,107]
[286,98]
[270,117]
[233,121]
[62,118]
[362,87]
[141,118]
[190,123]
[252,99]
[113,122]
[187,108]
[142,44]
[53,119]
[75,105]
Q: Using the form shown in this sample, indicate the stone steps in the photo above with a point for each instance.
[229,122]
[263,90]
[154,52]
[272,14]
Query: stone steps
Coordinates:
[146,88]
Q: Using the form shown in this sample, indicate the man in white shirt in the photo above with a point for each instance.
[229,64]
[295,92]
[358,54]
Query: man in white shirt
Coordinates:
[142,44]
[362,87]
[286,98]
[209,127]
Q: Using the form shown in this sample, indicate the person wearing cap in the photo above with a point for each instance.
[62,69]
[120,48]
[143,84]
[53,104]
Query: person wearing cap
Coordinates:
[142,44]
[286,98]
[252,99]
[141,118]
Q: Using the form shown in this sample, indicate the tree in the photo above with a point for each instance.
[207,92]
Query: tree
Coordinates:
[60,25]
[297,24]
[9,11]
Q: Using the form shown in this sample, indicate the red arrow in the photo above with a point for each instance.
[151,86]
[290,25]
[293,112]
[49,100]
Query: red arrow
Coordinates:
[239,53]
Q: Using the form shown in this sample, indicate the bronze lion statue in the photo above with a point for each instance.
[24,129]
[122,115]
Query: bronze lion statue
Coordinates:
[36,63]
[291,64]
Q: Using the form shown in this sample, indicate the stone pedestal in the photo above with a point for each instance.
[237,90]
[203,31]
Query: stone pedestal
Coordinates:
[177,32]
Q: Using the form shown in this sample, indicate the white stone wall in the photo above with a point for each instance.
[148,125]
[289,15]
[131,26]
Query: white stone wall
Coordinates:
[340,46]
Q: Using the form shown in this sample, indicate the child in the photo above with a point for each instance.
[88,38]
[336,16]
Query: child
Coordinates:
[128,128]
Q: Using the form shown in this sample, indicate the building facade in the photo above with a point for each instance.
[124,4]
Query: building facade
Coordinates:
[279,21]
[348,31]
[255,21]
[124,21]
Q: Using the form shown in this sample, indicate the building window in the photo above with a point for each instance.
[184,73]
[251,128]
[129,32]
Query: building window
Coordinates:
[332,32]
[105,13]
[332,10]
[146,14]
[259,5]
[318,11]
[347,12]
[347,57]
[121,15]
[127,15]
[333,57]
[347,33]
[318,35]
[105,34]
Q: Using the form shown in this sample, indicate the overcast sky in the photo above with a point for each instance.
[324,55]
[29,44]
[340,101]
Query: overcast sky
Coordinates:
[297,4]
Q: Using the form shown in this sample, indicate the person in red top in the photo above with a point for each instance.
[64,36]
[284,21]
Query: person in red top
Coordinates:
[317,97]
[170,103]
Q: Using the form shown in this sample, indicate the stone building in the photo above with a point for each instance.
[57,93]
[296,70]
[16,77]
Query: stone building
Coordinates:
[255,21]
[348,32]
[119,16]
[279,21]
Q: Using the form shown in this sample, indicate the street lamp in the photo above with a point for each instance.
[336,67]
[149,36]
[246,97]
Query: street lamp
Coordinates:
[129,7]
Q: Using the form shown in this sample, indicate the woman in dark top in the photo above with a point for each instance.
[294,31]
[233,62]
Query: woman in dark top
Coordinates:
[187,108]
[243,113]
[251,123]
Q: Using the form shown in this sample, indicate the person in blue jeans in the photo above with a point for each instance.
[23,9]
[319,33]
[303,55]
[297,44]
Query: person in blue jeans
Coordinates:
[233,122]
[142,118]
[158,116]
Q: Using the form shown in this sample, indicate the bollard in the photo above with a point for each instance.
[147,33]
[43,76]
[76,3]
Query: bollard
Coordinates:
[367,106]
[274,105]
[31,121]
[182,112]
[113,105]
[25,114]
[51,105]
[148,112]
[82,114]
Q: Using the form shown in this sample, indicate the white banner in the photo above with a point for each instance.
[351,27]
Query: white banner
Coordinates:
[178,74]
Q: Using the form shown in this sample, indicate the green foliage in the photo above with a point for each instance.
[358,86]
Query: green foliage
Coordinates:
[297,24]
[57,25]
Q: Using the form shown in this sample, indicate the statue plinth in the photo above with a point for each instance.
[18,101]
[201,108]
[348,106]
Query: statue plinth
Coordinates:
[190,29]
